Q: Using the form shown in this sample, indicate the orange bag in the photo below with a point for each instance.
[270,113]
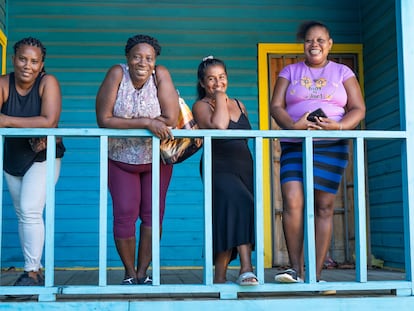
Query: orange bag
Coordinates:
[176,150]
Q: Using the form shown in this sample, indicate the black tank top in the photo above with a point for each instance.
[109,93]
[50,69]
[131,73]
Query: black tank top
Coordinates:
[18,155]
[23,106]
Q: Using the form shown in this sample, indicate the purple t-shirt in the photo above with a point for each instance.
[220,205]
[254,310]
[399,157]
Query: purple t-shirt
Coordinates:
[312,88]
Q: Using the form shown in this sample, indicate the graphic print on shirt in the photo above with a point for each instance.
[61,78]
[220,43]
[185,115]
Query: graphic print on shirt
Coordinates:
[315,82]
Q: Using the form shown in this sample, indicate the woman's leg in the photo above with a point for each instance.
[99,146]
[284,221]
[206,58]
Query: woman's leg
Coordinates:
[126,250]
[292,220]
[29,196]
[324,211]
[245,253]
[125,187]
[221,263]
[145,238]
[144,251]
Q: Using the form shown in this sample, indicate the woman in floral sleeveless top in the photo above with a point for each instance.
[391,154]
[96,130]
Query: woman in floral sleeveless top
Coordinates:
[136,96]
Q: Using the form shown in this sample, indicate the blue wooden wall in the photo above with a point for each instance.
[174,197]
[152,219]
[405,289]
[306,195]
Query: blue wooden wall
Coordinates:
[84,38]
[3,17]
[384,157]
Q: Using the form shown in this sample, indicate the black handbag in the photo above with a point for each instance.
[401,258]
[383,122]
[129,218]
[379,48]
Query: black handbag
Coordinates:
[39,144]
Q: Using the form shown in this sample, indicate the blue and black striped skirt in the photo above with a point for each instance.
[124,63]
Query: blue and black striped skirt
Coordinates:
[330,159]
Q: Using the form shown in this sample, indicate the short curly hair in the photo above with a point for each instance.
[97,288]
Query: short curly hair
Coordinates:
[32,42]
[306,26]
[133,41]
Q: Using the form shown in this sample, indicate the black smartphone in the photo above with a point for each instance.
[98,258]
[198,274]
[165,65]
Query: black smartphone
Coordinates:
[316,113]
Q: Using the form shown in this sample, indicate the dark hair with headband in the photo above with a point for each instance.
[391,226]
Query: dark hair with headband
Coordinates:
[137,39]
[201,72]
[305,26]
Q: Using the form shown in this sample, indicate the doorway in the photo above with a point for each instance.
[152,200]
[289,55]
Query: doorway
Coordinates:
[342,245]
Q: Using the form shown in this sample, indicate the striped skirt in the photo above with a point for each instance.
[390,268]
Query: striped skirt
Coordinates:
[329,161]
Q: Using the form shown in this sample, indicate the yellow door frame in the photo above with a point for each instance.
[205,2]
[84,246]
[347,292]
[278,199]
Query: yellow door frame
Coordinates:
[264,49]
[3,42]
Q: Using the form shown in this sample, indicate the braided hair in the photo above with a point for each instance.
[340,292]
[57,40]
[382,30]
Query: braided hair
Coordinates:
[32,42]
[133,41]
[201,72]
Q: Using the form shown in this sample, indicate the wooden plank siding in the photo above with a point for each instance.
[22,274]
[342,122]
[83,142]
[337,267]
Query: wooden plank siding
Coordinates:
[383,113]
[84,38]
[3,16]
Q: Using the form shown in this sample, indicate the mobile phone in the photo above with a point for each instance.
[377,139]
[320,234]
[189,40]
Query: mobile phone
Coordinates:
[316,113]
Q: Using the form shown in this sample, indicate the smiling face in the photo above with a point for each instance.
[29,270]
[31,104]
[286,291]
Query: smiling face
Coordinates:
[317,46]
[141,63]
[27,63]
[215,79]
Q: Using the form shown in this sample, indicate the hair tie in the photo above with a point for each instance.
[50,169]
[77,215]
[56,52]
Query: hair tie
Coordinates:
[208,57]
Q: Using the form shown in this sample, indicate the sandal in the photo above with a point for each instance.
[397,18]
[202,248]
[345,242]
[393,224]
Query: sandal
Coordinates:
[129,281]
[247,278]
[146,280]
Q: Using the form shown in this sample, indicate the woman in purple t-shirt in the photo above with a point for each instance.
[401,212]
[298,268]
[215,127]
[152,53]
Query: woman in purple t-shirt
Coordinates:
[300,89]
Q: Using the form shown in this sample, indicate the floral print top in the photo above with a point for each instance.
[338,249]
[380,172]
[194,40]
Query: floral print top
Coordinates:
[132,103]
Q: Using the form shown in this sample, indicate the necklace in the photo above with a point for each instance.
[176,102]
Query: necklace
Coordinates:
[324,64]
[319,81]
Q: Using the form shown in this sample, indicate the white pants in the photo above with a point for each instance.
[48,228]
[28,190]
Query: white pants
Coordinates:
[29,197]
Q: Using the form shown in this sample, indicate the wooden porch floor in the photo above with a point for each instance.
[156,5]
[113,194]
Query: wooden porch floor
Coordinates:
[65,277]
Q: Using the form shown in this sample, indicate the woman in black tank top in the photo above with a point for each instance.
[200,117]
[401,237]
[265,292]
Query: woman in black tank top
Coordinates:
[232,164]
[29,98]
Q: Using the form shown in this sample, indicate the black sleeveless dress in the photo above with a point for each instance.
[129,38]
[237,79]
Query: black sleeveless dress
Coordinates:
[233,201]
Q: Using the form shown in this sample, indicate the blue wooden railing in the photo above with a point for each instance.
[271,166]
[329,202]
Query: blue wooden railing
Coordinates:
[50,290]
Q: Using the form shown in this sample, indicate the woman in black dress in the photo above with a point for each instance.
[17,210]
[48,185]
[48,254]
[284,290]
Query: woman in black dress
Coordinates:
[233,202]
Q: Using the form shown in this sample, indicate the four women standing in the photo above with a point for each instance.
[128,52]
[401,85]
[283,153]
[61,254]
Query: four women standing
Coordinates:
[139,94]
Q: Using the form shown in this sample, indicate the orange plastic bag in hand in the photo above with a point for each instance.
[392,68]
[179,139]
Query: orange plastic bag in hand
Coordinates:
[176,150]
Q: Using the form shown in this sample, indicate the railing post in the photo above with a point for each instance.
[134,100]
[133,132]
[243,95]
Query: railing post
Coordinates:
[208,230]
[405,47]
[258,199]
[408,216]
[50,218]
[360,212]
[103,209]
[155,211]
[309,215]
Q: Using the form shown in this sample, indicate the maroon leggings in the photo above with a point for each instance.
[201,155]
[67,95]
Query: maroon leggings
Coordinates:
[130,188]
